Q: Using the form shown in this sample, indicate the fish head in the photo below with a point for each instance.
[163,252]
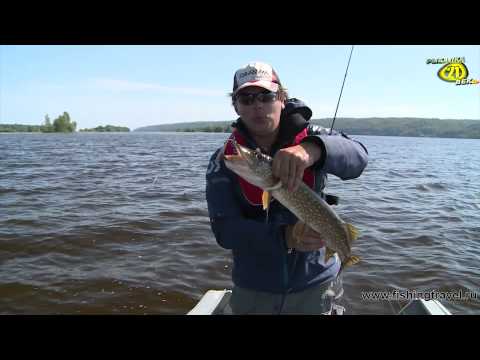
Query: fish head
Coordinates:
[251,165]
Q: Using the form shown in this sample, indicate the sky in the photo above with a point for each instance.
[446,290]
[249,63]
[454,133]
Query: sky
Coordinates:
[139,85]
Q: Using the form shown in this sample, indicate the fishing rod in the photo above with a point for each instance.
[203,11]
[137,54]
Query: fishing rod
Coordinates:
[341,90]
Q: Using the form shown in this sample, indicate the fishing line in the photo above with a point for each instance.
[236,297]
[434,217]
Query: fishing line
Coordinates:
[341,90]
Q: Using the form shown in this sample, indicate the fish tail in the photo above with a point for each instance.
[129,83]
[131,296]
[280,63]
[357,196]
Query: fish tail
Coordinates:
[352,232]
[352,260]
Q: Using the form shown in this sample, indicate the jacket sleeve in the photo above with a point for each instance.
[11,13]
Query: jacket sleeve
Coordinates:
[341,156]
[231,228]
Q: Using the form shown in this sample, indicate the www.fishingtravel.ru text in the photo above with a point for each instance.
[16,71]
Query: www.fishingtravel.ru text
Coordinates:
[459,295]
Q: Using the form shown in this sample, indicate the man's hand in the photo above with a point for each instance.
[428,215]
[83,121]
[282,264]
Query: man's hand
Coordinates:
[303,238]
[290,163]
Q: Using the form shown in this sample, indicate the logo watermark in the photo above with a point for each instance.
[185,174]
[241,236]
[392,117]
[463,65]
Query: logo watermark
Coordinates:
[396,295]
[454,70]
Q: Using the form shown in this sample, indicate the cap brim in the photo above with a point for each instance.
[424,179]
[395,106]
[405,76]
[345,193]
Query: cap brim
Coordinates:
[260,83]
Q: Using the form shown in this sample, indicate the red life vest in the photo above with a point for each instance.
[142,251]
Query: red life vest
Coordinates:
[251,192]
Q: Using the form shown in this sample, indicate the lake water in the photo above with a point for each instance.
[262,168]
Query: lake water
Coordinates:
[94,223]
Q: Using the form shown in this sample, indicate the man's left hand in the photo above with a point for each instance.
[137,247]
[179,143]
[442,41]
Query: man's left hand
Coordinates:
[290,163]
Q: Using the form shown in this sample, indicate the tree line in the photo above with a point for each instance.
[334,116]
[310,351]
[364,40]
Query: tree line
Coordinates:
[415,127]
[62,123]
[107,128]
[19,128]
[216,129]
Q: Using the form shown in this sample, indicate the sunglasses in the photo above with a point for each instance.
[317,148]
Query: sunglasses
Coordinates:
[249,99]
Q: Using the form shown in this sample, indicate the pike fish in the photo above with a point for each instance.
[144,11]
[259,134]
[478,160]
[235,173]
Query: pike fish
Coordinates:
[308,206]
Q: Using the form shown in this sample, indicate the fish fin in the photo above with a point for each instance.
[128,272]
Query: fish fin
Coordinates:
[352,260]
[266,197]
[299,231]
[352,232]
[328,253]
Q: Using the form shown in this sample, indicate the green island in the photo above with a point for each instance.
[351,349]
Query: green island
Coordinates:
[62,124]
[409,127]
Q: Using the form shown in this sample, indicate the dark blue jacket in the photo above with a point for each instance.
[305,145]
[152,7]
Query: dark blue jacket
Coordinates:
[260,257]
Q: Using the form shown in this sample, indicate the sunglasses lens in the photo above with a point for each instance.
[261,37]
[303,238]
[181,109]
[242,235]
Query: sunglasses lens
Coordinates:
[268,97]
[246,99]
[265,97]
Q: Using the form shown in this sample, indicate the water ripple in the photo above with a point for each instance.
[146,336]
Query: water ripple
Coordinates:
[117,223]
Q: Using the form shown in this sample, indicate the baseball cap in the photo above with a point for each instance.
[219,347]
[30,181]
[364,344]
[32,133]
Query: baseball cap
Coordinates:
[256,74]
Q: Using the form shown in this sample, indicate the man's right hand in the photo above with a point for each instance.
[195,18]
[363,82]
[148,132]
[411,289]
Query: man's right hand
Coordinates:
[303,238]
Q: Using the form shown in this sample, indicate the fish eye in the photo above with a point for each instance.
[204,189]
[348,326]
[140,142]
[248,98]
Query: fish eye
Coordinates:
[258,154]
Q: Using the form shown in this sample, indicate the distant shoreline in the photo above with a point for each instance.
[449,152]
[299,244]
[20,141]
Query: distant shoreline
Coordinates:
[203,132]
[403,127]
[400,127]
[40,129]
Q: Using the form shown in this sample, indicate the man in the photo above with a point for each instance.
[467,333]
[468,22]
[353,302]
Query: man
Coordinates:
[273,272]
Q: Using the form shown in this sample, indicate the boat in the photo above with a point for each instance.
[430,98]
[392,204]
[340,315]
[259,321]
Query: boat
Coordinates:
[216,302]
[424,307]
[213,302]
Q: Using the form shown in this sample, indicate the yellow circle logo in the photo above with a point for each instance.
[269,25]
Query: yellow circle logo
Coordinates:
[453,72]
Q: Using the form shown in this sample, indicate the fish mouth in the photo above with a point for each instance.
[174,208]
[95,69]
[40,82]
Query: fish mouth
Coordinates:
[240,163]
[241,152]
[233,158]
[245,163]
[237,160]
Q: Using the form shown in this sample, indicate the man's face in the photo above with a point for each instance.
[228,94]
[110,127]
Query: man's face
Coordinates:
[261,118]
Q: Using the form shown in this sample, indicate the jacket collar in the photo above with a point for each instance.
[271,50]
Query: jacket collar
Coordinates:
[290,126]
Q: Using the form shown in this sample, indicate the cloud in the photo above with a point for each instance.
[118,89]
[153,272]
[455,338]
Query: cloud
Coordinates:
[134,86]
